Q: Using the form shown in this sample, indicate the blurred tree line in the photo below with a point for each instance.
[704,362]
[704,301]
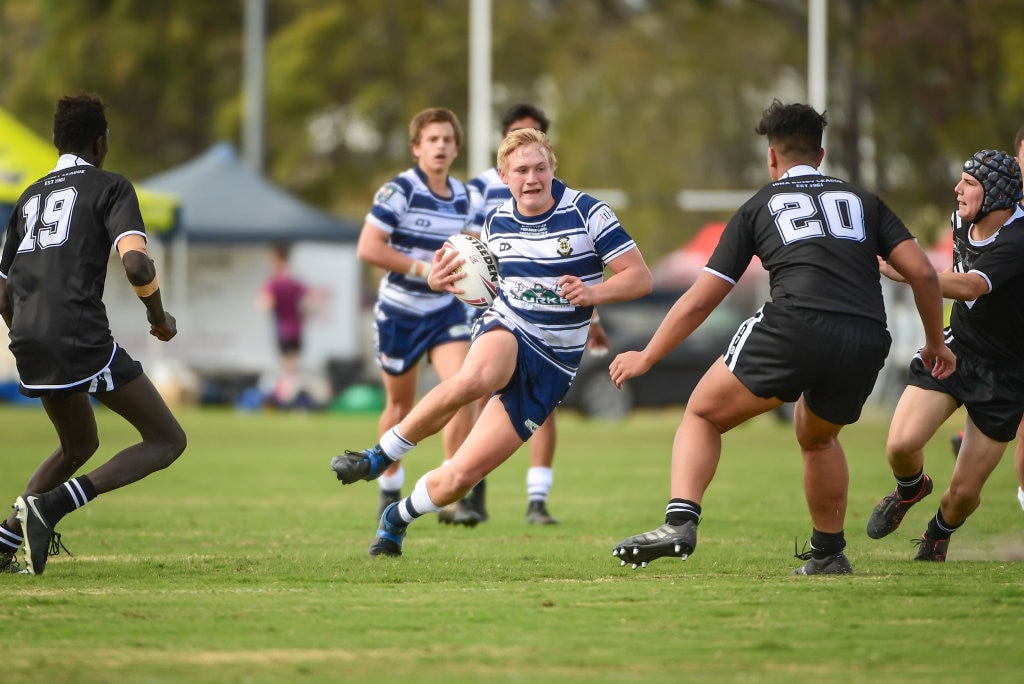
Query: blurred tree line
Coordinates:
[647,96]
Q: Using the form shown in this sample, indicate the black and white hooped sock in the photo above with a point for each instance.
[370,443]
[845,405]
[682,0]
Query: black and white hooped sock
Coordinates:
[10,541]
[67,497]
[680,511]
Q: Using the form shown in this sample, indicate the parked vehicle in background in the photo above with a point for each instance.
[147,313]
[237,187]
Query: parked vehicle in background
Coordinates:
[629,326]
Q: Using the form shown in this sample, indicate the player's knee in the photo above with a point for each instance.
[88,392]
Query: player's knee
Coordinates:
[80,452]
[817,443]
[816,436]
[898,446]
[169,447]
[178,442]
[454,481]
[964,497]
[472,385]
[397,409]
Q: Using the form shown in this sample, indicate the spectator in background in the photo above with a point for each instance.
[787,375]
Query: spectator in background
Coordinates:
[286,297]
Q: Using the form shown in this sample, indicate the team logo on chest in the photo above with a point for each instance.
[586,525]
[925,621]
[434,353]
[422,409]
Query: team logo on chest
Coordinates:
[564,248]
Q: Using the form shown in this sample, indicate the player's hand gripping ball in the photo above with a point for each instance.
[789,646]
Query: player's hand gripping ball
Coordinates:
[480,285]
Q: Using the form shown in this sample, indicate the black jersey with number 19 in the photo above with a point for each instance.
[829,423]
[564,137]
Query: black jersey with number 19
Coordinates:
[818,237]
[55,257]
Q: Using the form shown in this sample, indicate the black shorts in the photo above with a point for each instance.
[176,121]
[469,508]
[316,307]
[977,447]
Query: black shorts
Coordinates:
[286,346]
[121,370]
[832,360]
[992,393]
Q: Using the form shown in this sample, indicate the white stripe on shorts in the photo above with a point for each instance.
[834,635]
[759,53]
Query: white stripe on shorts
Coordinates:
[732,354]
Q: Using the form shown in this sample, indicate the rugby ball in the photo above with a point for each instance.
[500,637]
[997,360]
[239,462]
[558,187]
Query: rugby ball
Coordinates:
[480,285]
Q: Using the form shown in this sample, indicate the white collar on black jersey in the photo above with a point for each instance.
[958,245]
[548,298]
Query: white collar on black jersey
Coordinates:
[66,161]
[1018,213]
[801,170]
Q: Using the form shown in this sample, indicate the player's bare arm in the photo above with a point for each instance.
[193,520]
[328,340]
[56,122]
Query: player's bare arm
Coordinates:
[689,311]
[141,274]
[630,279]
[374,248]
[886,269]
[912,263]
[963,286]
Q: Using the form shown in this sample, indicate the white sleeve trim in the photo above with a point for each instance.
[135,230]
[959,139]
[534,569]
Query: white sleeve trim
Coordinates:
[720,275]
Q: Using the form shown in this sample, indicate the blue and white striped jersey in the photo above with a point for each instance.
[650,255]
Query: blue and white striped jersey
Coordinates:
[578,236]
[486,192]
[418,222]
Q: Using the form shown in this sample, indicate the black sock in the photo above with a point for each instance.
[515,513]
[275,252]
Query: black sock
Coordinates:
[67,497]
[478,494]
[910,487]
[938,528]
[825,544]
[9,540]
[680,511]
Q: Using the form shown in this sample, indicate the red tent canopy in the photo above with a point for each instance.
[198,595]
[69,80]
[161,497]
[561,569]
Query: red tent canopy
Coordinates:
[680,267]
[941,253]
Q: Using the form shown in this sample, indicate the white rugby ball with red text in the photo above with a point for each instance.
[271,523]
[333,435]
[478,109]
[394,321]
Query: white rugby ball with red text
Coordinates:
[480,285]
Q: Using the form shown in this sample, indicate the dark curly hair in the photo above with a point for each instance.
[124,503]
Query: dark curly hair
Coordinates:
[78,122]
[522,111]
[794,130]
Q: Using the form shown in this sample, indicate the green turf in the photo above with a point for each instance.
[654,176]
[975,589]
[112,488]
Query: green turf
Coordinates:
[246,562]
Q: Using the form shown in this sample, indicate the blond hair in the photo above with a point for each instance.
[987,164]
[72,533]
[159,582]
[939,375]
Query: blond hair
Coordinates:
[520,138]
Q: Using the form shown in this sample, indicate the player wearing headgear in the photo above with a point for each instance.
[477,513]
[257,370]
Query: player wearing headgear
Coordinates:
[986,280]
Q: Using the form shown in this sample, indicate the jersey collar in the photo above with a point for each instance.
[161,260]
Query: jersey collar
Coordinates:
[66,161]
[801,170]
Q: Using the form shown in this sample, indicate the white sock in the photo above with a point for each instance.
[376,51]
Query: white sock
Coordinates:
[420,502]
[538,483]
[394,445]
[1020,496]
[392,483]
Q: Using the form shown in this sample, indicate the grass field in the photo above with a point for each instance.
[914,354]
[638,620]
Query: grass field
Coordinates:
[246,562]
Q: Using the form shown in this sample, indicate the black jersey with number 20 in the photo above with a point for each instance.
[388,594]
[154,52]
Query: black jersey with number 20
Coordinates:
[55,257]
[819,238]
